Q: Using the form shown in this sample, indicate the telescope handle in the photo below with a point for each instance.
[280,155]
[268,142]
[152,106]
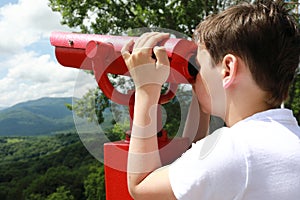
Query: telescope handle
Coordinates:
[102,55]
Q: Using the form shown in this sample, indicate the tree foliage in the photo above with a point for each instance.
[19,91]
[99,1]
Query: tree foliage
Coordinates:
[115,16]
[94,184]
[61,193]
[293,101]
[91,106]
[67,171]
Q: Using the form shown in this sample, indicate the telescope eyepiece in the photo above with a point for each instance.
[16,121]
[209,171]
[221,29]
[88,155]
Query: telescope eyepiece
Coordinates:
[193,67]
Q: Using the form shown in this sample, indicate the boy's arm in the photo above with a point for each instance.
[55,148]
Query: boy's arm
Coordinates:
[144,180]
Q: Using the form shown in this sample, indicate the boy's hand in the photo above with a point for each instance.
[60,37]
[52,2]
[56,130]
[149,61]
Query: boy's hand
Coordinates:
[144,69]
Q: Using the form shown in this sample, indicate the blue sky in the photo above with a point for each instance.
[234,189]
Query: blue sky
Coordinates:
[4,2]
[28,69]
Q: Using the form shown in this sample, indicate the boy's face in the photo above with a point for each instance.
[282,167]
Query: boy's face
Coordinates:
[208,86]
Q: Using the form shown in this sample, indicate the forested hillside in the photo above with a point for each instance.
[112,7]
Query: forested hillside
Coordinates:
[38,117]
[47,168]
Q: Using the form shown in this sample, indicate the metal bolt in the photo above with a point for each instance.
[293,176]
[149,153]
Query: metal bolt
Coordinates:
[71,42]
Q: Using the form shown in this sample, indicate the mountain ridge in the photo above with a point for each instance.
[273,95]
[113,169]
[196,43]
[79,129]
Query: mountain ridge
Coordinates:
[43,116]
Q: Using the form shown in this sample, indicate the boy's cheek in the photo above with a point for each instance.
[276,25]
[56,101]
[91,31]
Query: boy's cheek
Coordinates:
[202,94]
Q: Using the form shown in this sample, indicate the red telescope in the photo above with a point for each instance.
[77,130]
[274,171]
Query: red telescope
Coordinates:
[101,53]
[73,49]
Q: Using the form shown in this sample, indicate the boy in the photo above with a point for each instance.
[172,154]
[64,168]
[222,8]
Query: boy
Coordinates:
[248,56]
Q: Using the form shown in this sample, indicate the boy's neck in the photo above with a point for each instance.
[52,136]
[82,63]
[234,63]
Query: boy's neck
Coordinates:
[244,105]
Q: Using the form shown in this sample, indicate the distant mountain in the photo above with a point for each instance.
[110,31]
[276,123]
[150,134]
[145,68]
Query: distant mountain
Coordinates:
[38,117]
[2,108]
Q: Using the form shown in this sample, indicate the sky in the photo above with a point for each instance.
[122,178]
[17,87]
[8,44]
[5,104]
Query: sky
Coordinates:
[28,68]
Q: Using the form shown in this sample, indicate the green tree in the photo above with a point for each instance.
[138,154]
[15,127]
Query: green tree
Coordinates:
[293,101]
[94,185]
[118,131]
[61,193]
[36,197]
[179,15]
[91,106]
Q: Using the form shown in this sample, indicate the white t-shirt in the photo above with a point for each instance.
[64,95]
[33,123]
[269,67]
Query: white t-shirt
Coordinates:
[256,159]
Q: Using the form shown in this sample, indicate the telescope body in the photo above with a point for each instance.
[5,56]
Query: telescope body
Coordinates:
[80,50]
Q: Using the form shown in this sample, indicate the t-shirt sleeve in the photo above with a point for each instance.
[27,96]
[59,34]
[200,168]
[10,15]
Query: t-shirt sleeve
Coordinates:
[206,171]
[186,181]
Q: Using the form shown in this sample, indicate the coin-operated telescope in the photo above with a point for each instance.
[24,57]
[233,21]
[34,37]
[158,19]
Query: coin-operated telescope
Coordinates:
[102,55]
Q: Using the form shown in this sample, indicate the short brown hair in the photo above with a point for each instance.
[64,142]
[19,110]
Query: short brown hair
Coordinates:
[264,35]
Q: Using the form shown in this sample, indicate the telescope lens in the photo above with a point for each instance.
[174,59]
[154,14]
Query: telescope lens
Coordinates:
[193,67]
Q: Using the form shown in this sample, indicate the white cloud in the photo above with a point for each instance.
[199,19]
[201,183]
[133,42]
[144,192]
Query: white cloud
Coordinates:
[26,74]
[32,76]
[27,70]
[25,23]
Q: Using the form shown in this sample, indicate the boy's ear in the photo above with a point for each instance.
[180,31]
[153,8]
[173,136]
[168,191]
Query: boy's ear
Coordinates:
[229,69]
